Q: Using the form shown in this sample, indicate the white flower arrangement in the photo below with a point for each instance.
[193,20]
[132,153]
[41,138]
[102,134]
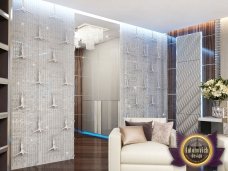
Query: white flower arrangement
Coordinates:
[215,89]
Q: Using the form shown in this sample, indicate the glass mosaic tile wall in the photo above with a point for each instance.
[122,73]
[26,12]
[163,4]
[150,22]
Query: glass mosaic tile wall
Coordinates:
[143,73]
[42,93]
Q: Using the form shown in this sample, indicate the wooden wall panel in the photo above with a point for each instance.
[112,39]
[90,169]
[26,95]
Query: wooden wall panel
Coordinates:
[78,88]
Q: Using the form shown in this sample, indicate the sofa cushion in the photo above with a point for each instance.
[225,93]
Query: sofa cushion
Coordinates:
[161,120]
[146,153]
[147,128]
[132,134]
[161,132]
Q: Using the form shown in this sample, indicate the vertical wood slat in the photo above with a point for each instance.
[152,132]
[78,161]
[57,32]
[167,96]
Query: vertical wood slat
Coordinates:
[78,88]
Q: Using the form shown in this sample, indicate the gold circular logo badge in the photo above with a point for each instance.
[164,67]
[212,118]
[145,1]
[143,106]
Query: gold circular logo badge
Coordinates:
[196,150]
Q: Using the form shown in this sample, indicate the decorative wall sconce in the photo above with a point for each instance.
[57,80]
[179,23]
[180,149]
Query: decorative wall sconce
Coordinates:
[39,128]
[137,36]
[136,66]
[53,146]
[21,101]
[126,83]
[125,72]
[53,102]
[54,15]
[127,48]
[152,68]
[23,9]
[53,57]
[144,83]
[145,50]
[66,40]
[66,83]
[21,52]
[22,151]
[158,52]
[136,101]
[66,126]
[152,100]
[39,34]
[158,85]
[39,78]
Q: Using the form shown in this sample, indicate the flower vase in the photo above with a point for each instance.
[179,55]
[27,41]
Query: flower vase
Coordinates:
[217,111]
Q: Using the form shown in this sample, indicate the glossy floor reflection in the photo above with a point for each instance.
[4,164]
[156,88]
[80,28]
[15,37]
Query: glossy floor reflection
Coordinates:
[91,154]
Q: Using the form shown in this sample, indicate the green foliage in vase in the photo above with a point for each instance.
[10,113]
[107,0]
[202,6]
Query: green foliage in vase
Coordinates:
[215,89]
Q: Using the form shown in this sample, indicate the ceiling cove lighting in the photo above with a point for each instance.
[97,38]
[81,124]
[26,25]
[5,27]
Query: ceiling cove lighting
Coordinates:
[96,16]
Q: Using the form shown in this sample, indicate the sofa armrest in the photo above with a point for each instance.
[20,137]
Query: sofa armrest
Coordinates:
[173,139]
[114,149]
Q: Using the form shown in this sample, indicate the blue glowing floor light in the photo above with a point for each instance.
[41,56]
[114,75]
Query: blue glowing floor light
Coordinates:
[91,134]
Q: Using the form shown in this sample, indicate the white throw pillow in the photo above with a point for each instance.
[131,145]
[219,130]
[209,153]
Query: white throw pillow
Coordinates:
[161,132]
[132,134]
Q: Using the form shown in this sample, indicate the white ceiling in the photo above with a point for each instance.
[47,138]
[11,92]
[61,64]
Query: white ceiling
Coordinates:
[159,15]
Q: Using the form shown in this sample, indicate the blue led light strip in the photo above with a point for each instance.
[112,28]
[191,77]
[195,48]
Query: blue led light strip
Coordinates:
[92,134]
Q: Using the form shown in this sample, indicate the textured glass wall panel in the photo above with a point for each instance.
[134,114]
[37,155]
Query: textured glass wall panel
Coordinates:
[143,75]
[42,79]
